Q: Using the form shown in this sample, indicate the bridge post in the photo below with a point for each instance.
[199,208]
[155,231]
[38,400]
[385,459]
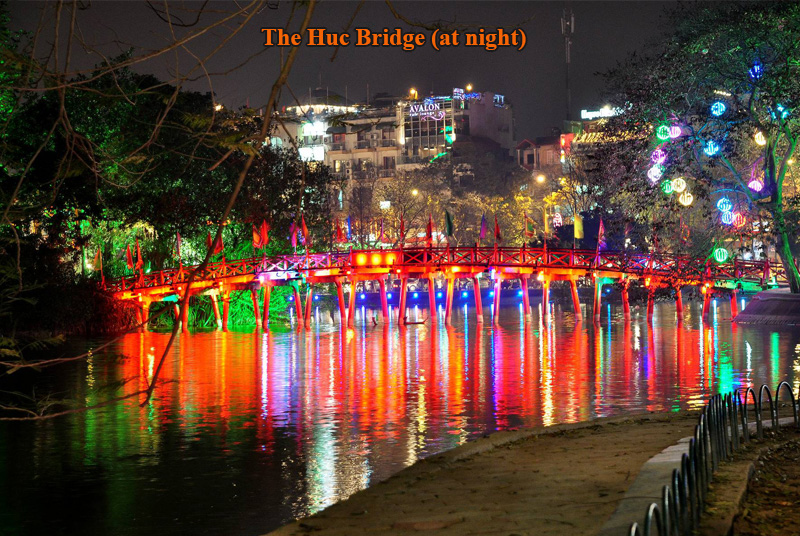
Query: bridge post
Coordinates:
[351,308]
[298,308]
[226,307]
[177,311]
[256,312]
[598,297]
[267,300]
[626,304]
[526,299]
[215,308]
[496,304]
[139,311]
[146,302]
[185,315]
[432,298]
[340,297]
[309,304]
[651,297]
[384,302]
[706,301]
[678,301]
[734,305]
[576,302]
[401,309]
[448,304]
[546,295]
[476,287]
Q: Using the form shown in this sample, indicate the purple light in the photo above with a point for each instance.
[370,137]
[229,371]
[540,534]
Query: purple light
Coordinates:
[363,296]
[658,156]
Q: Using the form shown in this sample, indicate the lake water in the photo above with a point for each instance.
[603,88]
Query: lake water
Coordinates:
[250,430]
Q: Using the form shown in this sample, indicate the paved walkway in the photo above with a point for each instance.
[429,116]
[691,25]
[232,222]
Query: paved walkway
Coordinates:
[566,479]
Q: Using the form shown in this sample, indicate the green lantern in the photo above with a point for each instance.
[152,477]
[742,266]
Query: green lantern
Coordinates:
[721,255]
[667,187]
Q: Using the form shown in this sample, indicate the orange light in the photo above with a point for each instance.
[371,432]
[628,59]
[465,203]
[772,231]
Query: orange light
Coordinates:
[540,277]
[391,258]
[398,270]
[456,269]
[361,259]
[376,259]
[703,289]
[647,282]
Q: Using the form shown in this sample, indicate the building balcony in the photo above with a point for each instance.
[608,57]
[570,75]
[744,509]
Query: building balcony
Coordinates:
[386,173]
[388,143]
[337,147]
[362,144]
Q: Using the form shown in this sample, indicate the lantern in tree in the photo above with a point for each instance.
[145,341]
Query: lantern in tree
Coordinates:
[739,219]
[721,255]
[727,217]
[724,205]
[662,132]
[711,148]
[678,185]
[666,187]
[674,131]
[658,156]
[655,173]
[686,198]
[760,138]
[718,108]
[558,221]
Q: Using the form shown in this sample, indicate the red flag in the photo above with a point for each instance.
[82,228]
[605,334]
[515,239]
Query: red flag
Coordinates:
[402,229]
[128,258]
[97,263]
[305,229]
[483,227]
[139,261]
[293,235]
[429,231]
[601,236]
[339,232]
[497,236]
[264,233]
[218,246]
[257,240]
[381,237]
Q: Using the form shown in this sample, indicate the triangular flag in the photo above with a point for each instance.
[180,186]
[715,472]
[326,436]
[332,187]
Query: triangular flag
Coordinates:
[139,261]
[601,236]
[498,238]
[339,232]
[429,231]
[128,257]
[257,241]
[483,227]
[349,229]
[305,229]
[293,235]
[578,227]
[97,263]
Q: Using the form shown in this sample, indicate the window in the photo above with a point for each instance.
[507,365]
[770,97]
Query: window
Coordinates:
[530,158]
[388,162]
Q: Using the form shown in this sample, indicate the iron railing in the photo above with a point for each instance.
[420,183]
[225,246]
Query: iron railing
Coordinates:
[722,429]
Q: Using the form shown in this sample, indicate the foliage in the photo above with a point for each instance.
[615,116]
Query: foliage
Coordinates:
[745,58]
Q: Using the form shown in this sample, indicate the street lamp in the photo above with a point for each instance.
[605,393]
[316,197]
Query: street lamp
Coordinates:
[217,107]
[412,93]
[414,191]
[540,178]
[469,87]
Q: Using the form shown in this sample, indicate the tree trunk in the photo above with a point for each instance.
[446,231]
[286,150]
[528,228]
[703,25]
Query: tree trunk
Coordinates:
[787,257]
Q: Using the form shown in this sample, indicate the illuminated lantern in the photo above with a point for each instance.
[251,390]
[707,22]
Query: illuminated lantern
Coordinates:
[720,255]
[558,221]
[756,70]
[654,173]
[666,187]
[361,259]
[674,131]
[678,185]
[662,132]
[724,205]
[783,112]
[760,138]
[727,218]
[718,108]
[658,156]
[375,259]
[756,185]
[711,148]
[739,219]
[686,198]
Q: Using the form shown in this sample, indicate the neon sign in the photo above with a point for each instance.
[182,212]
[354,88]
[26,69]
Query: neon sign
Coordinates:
[427,110]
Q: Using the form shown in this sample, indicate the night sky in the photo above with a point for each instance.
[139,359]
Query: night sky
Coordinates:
[532,80]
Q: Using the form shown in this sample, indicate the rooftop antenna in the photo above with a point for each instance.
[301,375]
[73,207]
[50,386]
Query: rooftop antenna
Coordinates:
[567,29]
[367,94]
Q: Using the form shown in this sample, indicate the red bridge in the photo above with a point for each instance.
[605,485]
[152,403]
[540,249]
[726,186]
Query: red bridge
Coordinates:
[655,271]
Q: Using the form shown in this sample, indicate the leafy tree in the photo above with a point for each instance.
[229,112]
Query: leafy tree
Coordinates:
[719,101]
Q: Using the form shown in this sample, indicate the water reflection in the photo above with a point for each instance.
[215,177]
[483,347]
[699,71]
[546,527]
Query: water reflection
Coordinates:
[249,430]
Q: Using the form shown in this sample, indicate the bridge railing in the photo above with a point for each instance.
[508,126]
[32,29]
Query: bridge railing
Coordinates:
[679,268]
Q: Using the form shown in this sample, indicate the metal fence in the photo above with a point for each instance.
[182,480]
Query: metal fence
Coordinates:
[722,429]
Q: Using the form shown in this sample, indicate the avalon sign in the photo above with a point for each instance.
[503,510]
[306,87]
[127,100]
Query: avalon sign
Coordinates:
[427,110]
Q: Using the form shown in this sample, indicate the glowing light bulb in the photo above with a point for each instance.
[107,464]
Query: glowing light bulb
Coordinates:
[727,218]
[760,138]
[756,70]
[686,198]
[666,187]
[718,108]
[662,132]
[658,156]
[655,173]
[711,148]
[721,255]
[678,185]
[756,185]
[739,219]
[674,131]
[724,204]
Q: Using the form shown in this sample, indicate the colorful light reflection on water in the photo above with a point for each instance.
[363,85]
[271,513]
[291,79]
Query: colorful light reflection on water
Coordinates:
[250,430]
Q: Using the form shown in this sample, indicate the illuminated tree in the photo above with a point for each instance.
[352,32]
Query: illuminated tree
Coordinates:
[718,105]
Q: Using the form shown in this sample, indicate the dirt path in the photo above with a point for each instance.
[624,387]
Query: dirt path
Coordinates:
[565,481]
